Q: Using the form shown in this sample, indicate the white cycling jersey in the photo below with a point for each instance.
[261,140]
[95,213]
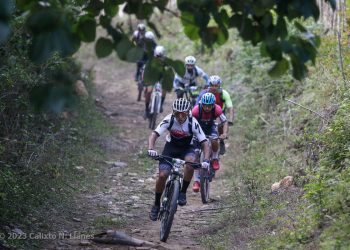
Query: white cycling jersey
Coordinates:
[189,78]
[180,131]
[139,38]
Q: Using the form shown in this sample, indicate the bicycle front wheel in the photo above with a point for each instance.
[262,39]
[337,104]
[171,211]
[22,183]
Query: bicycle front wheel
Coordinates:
[153,118]
[205,185]
[169,210]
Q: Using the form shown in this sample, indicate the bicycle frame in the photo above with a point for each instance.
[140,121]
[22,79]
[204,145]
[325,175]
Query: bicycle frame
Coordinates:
[206,175]
[155,104]
[156,92]
[190,93]
[171,193]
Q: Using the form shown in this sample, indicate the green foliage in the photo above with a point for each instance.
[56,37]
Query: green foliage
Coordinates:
[323,222]
[39,152]
[52,32]
[160,70]
[279,68]
[56,28]
[6,9]
[104,47]
[87,28]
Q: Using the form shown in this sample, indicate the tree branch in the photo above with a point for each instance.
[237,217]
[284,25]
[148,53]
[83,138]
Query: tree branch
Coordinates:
[341,59]
[307,109]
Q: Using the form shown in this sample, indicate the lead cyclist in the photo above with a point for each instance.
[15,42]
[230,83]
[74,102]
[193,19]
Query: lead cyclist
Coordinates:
[182,127]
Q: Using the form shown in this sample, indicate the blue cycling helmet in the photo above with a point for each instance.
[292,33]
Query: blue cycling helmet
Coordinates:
[208,98]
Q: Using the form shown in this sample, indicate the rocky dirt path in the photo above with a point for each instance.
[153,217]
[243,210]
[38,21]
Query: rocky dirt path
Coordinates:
[126,192]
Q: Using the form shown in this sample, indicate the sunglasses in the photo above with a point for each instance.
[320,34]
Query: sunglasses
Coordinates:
[180,113]
[208,106]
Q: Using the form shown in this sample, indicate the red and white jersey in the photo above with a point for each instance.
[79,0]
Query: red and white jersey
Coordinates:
[179,131]
[212,115]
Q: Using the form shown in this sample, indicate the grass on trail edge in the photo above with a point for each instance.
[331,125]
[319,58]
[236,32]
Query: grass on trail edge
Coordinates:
[70,164]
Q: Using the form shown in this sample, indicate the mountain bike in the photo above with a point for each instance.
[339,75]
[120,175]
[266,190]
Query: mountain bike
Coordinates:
[155,104]
[171,193]
[206,174]
[190,93]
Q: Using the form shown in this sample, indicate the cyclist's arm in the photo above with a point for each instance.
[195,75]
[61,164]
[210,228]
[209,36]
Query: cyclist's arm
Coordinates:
[195,111]
[205,148]
[219,114]
[225,131]
[176,81]
[198,132]
[228,105]
[152,140]
[204,75]
[205,78]
[134,37]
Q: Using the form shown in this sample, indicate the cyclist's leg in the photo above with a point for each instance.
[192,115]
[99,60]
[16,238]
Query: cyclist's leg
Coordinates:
[222,144]
[139,65]
[189,155]
[148,92]
[162,101]
[215,142]
[196,172]
[215,148]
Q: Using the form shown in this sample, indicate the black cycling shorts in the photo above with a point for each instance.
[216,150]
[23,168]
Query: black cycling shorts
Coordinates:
[175,152]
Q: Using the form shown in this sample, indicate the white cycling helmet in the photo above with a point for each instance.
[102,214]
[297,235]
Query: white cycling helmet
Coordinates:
[190,60]
[159,51]
[181,105]
[149,35]
[141,27]
[214,80]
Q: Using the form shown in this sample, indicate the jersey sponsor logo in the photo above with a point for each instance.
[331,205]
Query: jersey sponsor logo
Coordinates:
[164,122]
[179,134]
[196,127]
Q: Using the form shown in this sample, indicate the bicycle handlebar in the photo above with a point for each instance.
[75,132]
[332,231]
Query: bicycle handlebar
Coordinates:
[176,160]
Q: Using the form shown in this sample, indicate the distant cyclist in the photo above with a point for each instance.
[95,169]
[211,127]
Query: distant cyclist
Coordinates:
[193,72]
[146,41]
[223,99]
[206,112]
[159,56]
[182,127]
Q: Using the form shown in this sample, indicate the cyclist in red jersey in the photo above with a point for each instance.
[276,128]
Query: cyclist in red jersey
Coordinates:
[206,112]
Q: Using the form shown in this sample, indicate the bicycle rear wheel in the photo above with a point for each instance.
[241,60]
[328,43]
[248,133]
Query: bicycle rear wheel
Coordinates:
[153,118]
[170,207]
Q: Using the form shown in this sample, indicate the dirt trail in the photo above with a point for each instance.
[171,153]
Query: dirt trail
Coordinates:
[127,194]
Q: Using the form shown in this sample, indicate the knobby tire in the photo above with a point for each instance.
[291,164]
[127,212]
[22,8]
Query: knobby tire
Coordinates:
[205,185]
[169,210]
[153,118]
[204,182]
